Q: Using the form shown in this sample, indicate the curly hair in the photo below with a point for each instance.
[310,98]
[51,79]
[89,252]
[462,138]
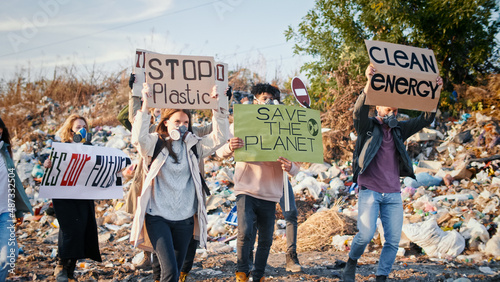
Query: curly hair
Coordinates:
[260,88]
[162,130]
[6,137]
[66,131]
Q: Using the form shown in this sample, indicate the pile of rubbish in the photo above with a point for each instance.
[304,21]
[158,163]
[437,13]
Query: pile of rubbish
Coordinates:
[451,209]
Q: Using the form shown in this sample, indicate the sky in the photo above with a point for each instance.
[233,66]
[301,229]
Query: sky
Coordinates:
[39,35]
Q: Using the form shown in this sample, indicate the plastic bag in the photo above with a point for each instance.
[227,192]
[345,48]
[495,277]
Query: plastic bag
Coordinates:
[342,243]
[493,246]
[434,241]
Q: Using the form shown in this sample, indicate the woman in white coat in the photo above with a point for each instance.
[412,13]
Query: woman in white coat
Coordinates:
[172,203]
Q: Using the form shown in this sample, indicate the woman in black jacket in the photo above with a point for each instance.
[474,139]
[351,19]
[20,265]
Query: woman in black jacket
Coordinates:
[78,237]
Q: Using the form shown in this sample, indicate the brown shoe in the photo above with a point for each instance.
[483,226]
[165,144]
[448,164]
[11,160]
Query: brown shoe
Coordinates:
[241,277]
[292,263]
[183,276]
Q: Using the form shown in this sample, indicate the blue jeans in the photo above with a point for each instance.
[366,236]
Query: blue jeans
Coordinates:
[8,245]
[261,213]
[390,208]
[170,241]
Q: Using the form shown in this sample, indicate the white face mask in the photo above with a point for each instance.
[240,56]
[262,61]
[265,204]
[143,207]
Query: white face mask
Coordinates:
[176,132]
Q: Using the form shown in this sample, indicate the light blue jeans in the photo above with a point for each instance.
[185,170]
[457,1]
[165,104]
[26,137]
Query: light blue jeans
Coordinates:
[8,245]
[389,206]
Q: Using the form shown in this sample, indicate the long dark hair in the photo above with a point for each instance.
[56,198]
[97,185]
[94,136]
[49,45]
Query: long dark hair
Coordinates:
[6,136]
[162,130]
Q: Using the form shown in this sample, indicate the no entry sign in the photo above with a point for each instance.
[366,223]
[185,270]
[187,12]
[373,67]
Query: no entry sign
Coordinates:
[300,92]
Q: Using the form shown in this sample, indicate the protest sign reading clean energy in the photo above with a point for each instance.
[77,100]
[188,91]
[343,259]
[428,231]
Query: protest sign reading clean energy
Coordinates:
[405,77]
[180,82]
[84,172]
[269,132]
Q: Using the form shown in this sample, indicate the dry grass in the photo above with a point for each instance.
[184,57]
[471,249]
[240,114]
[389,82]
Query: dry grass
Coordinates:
[337,144]
[316,233]
[27,104]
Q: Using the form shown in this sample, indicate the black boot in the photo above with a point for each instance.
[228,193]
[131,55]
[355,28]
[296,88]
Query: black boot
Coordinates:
[71,270]
[65,270]
[61,271]
[381,278]
[350,270]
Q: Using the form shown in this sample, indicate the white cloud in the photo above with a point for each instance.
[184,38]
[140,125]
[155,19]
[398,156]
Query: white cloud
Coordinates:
[76,13]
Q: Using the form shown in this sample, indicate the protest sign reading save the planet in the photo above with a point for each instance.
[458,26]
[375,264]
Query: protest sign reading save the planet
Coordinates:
[180,82]
[271,131]
[84,172]
[405,77]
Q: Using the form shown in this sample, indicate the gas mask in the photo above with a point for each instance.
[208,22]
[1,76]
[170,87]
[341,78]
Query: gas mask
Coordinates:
[390,120]
[268,102]
[176,132]
[82,136]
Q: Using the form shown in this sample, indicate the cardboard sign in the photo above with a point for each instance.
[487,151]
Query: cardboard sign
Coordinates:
[139,71]
[272,131]
[300,92]
[180,82]
[405,77]
[84,172]
[222,82]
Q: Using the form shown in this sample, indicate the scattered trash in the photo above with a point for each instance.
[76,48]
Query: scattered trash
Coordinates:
[451,207]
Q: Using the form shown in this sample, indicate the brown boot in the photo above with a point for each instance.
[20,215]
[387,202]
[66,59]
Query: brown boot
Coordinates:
[241,277]
[183,276]
[292,262]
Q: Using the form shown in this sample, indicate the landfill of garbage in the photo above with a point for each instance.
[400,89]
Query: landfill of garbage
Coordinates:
[451,209]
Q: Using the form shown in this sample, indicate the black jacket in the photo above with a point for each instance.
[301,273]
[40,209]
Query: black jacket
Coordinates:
[370,137]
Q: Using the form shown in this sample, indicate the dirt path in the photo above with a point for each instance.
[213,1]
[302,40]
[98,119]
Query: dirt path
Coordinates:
[36,265]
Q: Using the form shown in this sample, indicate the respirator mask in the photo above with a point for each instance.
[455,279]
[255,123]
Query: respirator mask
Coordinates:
[269,102]
[390,120]
[82,136]
[176,132]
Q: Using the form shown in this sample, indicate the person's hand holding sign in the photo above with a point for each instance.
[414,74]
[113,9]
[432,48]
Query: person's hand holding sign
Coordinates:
[439,81]
[370,71]
[235,143]
[145,96]
[286,164]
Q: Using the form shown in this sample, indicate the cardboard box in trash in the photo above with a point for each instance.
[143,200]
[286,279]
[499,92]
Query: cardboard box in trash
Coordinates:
[461,172]
[428,166]
[426,134]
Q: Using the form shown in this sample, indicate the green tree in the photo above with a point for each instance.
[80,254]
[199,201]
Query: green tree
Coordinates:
[460,32]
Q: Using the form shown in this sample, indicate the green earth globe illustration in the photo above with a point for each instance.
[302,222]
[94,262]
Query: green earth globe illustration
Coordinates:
[313,127]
